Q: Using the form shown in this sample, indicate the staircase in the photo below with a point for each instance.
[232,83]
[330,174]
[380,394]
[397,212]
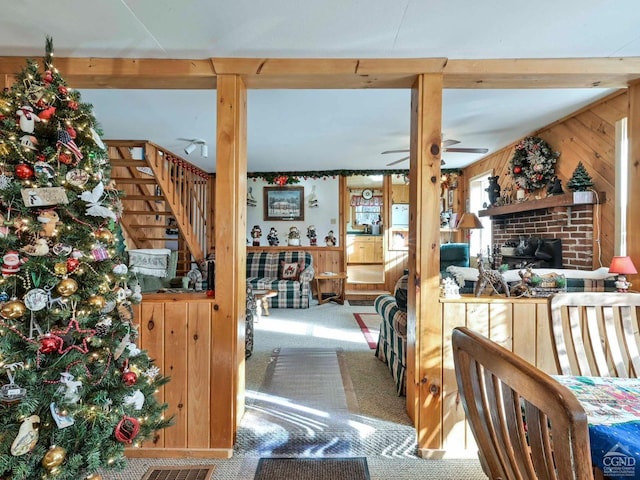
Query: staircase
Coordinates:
[167,200]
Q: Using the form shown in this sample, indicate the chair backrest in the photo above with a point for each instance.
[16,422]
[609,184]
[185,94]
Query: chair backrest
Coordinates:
[596,334]
[526,424]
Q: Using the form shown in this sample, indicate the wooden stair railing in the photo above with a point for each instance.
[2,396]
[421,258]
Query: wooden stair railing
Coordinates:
[164,194]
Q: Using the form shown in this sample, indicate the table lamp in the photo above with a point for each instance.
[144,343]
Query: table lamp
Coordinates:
[469,221]
[622,266]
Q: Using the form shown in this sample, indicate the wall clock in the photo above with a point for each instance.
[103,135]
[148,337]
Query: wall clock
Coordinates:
[367,193]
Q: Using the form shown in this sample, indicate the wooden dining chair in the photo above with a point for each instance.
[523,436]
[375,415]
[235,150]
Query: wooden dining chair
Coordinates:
[526,425]
[596,334]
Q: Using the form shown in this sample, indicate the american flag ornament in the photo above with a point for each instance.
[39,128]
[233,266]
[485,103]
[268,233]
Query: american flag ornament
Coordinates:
[65,140]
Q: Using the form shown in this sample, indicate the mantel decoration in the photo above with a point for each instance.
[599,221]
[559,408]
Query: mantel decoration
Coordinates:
[533,163]
[580,181]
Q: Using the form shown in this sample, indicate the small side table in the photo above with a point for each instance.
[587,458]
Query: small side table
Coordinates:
[340,277]
[262,300]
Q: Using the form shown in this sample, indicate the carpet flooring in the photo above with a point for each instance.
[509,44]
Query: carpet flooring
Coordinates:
[312,469]
[369,323]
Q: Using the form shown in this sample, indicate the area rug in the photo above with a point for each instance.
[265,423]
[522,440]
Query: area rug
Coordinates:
[312,469]
[370,325]
[199,472]
[362,303]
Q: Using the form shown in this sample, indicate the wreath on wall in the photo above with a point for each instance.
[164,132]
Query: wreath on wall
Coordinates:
[533,163]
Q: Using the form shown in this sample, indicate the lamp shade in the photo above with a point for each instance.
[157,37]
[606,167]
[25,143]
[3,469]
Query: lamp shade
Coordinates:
[622,265]
[469,221]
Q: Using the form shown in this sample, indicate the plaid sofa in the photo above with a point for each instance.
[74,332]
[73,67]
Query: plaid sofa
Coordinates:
[392,342]
[264,271]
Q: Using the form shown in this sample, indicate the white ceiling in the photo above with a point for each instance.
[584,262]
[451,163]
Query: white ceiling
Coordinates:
[325,129]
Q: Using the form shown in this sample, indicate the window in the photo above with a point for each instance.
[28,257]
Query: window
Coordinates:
[480,240]
[622,188]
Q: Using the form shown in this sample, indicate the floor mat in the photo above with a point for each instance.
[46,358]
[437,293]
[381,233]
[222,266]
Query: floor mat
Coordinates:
[370,325]
[200,472]
[313,468]
[362,303]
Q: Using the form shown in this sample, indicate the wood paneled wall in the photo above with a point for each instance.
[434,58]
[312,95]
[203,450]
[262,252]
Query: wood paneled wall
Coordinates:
[586,136]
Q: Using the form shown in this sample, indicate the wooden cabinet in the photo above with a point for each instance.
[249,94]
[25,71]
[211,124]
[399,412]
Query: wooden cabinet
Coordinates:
[400,194]
[178,331]
[364,249]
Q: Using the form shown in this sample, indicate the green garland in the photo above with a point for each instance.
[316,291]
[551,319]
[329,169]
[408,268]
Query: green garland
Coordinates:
[533,163]
[290,178]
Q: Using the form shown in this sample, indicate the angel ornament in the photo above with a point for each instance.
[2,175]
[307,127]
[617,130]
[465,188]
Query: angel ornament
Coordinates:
[94,206]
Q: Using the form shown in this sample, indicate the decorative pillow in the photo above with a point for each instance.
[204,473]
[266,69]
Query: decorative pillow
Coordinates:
[290,271]
[150,261]
[401,292]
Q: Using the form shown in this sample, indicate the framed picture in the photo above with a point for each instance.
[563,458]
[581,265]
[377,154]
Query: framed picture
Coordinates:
[283,203]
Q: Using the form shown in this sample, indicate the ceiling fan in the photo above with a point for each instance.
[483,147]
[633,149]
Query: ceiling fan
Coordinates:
[446,147]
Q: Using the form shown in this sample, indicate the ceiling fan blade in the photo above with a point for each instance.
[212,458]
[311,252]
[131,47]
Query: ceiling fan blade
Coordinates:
[466,150]
[397,161]
[449,142]
[404,150]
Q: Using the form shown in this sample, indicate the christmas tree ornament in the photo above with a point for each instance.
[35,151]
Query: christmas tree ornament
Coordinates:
[65,141]
[63,90]
[13,309]
[109,306]
[4,296]
[94,199]
[100,254]
[125,311]
[49,343]
[43,168]
[39,248]
[49,219]
[103,326]
[5,181]
[47,113]
[96,138]
[12,392]
[67,287]
[11,262]
[105,236]
[62,419]
[36,299]
[77,178]
[135,399]
[47,77]
[72,104]
[72,264]
[121,346]
[72,331]
[93,476]
[66,159]
[54,458]
[97,301]
[62,249]
[120,269]
[129,378]
[60,268]
[27,436]
[69,388]
[23,171]
[27,119]
[127,429]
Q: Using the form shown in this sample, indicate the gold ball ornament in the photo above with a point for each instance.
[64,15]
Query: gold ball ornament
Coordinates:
[105,236]
[97,301]
[13,309]
[67,286]
[60,268]
[54,457]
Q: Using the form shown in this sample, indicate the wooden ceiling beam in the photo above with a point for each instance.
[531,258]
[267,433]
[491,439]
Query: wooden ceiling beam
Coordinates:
[257,73]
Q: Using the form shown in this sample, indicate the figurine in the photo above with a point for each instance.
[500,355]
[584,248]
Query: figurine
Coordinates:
[311,235]
[493,190]
[294,236]
[256,233]
[313,200]
[272,237]
[330,240]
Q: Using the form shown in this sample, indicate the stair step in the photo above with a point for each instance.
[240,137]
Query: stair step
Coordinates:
[148,212]
[129,163]
[153,198]
[136,181]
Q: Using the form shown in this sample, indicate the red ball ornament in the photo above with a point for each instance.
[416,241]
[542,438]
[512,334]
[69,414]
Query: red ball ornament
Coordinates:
[129,378]
[63,90]
[73,105]
[24,171]
[49,344]
[72,264]
[71,131]
[517,170]
[47,113]
[127,429]
[211,293]
[65,158]
[48,76]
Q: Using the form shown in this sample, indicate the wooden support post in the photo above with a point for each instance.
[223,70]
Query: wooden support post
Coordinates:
[424,330]
[633,226]
[227,379]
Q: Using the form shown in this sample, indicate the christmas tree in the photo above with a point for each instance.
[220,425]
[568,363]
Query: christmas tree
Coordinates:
[77,389]
[580,180]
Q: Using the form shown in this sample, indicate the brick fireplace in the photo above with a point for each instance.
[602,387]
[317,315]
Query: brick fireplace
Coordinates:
[573,225]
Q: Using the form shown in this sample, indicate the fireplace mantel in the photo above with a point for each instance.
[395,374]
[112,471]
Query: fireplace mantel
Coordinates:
[564,200]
